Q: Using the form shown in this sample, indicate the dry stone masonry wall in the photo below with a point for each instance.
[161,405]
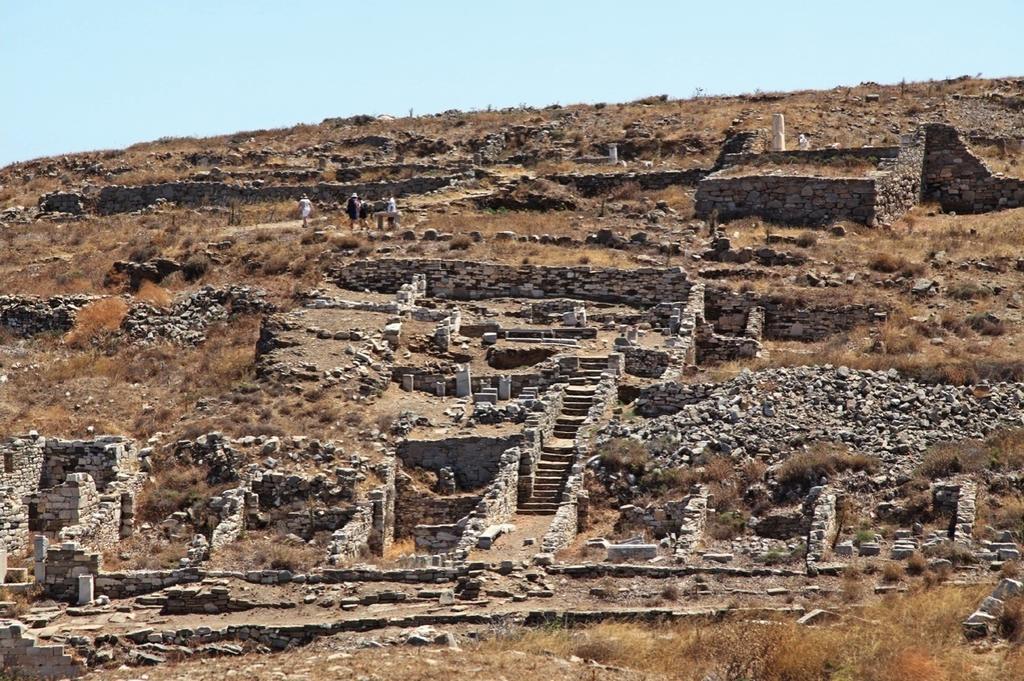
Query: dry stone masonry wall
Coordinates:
[471,280]
[29,315]
[959,180]
[126,199]
[934,163]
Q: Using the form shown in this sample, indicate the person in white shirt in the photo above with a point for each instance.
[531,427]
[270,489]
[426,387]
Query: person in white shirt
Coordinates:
[305,209]
[392,211]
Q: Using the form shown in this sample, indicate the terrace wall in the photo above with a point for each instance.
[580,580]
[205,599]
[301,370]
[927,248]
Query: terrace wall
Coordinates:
[959,180]
[471,280]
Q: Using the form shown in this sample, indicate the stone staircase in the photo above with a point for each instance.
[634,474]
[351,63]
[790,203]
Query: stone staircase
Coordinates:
[559,452]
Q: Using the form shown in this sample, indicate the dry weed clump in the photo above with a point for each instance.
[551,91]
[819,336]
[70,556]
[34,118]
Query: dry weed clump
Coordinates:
[99,318]
[891,263]
[804,469]
[178,487]
[153,294]
[269,551]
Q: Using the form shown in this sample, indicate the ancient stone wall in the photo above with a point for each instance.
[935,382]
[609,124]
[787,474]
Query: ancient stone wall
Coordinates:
[473,459]
[306,523]
[962,527]
[809,156]
[881,195]
[597,184]
[899,189]
[784,318]
[29,315]
[64,563]
[23,655]
[820,506]
[440,538]
[959,180]
[468,280]
[68,503]
[645,362]
[498,505]
[276,489]
[414,507]
[714,347]
[665,519]
[382,501]
[787,199]
[228,511]
[124,199]
[353,539]
[102,458]
[783,524]
[22,459]
[692,519]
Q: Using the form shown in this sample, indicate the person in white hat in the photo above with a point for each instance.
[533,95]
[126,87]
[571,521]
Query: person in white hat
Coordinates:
[305,209]
[352,209]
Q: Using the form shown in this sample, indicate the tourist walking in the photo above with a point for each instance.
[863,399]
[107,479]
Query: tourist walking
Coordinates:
[392,212]
[352,208]
[305,209]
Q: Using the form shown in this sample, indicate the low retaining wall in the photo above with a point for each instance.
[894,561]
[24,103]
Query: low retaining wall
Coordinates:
[784,318]
[596,184]
[473,280]
[474,460]
[787,199]
[124,199]
[959,180]
[29,315]
[820,506]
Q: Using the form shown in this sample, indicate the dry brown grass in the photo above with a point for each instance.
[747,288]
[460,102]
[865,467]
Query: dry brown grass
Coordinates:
[804,469]
[262,551]
[154,294]
[916,638]
[97,319]
[176,487]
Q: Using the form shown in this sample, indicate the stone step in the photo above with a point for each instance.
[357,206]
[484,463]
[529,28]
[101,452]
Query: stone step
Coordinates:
[553,467]
[570,411]
[548,483]
[580,391]
[535,508]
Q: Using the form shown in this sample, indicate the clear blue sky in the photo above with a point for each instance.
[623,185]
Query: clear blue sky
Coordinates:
[84,75]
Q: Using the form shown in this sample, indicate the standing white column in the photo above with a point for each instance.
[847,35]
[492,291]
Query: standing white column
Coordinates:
[85,589]
[504,387]
[778,132]
[613,154]
[463,381]
[40,544]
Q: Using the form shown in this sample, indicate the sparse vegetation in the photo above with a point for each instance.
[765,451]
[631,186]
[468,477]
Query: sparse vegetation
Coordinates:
[804,470]
[96,321]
